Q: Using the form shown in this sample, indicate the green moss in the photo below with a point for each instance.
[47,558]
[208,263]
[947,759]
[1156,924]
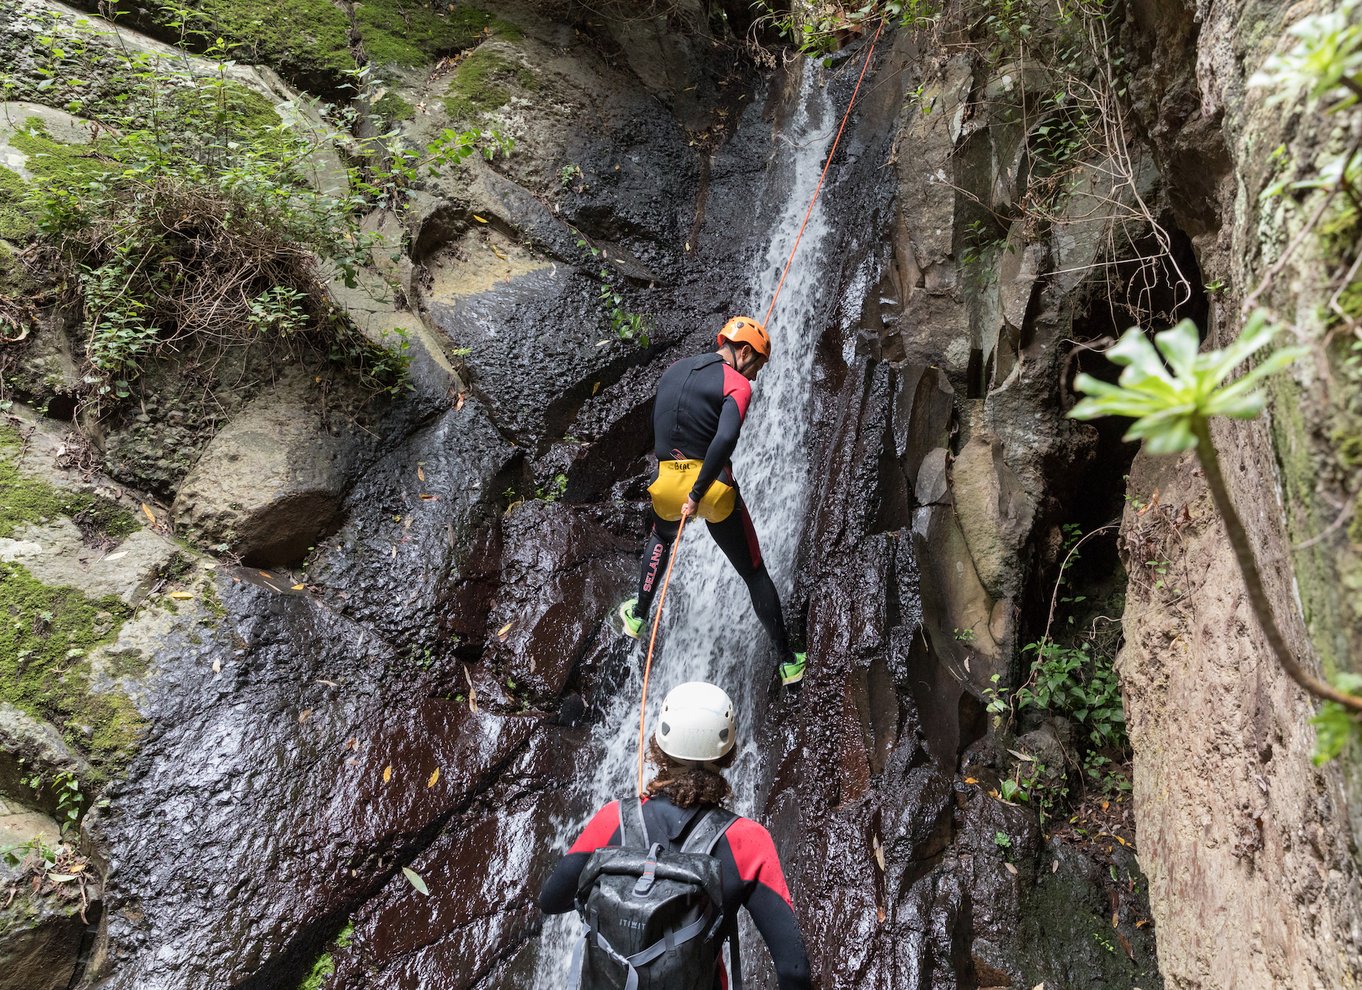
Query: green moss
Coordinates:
[50,161]
[321,969]
[481,83]
[392,107]
[306,40]
[28,500]
[46,635]
[326,965]
[16,220]
[409,32]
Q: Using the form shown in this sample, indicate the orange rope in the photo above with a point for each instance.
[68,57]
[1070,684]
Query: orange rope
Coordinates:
[648,666]
[826,165]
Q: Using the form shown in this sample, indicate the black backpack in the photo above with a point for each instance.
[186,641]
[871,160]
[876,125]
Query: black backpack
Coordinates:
[655,916]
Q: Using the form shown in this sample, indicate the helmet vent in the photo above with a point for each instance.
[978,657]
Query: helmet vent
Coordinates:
[723,734]
[666,729]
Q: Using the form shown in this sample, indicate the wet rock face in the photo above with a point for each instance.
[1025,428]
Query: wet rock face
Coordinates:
[410,698]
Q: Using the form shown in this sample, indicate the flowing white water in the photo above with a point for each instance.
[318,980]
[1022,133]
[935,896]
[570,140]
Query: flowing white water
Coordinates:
[709,631]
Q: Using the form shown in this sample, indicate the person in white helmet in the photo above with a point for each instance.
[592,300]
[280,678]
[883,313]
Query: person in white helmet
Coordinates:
[694,741]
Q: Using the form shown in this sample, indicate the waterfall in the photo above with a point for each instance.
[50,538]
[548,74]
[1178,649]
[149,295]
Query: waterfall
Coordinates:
[709,631]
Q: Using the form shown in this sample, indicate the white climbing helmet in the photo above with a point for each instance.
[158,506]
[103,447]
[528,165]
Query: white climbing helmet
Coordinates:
[696,723]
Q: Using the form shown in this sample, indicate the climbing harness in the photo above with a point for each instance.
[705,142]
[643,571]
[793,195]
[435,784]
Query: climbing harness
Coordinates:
[764,325]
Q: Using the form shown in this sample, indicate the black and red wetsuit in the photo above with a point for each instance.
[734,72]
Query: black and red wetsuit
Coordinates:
[751,873]
[701,404]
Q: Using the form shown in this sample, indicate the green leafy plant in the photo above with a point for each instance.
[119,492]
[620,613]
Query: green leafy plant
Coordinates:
[1172,405]
[65,789]
[821,28]
[627,325]
[1325,62]
[554,490]
[1335,726]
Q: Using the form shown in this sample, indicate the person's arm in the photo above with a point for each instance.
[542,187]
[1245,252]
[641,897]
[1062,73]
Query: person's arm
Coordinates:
[768,901]
[559,892]
[720,448]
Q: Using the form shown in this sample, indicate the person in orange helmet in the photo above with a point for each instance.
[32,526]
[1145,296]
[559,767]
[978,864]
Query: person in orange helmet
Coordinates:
[701,404]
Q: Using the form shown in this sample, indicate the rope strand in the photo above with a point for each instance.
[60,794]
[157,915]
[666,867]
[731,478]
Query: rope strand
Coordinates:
[648,665]
[819,188]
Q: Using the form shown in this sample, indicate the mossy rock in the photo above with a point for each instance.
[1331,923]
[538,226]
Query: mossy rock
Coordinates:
[393,108]
[306,41]
[28,500]
[410,32]
[483,83]
[16,216]
[46,635]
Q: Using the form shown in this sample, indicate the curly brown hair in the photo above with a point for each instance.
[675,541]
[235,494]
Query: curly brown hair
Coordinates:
[687,786]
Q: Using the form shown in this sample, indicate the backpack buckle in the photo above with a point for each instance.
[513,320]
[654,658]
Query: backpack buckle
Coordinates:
[645,882]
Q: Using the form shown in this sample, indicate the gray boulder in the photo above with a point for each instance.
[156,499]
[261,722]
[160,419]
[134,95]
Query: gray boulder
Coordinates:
[270,484]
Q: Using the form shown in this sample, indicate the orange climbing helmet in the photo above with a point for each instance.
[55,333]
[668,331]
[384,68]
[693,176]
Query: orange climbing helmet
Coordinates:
[745,330]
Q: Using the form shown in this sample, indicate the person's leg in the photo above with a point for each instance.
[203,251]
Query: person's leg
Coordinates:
[738,540]
[656,552]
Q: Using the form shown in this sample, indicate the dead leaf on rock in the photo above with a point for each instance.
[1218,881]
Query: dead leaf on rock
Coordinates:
[1011,868]
[181,595]
[504,631]
[146,511]
[434,778]
[415,880]
[305,714]
[217,666]
[387,773]
[971,780]
[420,473]
[463,397]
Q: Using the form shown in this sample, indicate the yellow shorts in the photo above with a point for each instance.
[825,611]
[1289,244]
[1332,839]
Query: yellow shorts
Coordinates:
[673,485]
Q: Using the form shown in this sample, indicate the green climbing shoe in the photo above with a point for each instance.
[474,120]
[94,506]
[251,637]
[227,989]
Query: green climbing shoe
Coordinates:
[792,673]
[630,624]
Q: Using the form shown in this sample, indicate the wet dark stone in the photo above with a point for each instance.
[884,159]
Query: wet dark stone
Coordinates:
[483,872]
[317,756]
[561,574]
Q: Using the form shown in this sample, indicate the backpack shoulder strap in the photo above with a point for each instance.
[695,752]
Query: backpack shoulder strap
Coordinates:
[633,829]
[705,835]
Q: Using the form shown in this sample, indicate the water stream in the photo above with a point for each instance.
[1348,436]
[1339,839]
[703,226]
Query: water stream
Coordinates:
[709,631]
